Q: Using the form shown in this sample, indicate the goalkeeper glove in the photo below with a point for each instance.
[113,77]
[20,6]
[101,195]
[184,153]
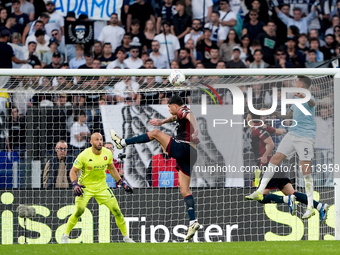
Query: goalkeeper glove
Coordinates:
[126,186]
[77,188]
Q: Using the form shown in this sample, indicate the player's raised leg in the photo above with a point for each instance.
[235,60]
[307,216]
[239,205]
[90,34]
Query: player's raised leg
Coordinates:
[306,171]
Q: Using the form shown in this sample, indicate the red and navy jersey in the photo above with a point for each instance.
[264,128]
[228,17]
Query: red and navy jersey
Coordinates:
[258,135]
[184,128]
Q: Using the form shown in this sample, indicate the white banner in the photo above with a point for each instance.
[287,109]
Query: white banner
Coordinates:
[220,146]
[95,9]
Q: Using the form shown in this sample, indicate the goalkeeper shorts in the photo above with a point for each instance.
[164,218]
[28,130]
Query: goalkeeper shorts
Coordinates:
[184,154]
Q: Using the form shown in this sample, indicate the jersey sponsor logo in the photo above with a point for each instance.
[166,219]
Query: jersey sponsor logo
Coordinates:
[89,168]
[90,159]
[105,157]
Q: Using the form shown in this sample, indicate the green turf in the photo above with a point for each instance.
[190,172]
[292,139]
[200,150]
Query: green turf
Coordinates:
[249,248]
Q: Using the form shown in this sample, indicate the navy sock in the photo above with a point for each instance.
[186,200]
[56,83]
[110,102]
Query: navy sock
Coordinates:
[190,203]
[303,199]
[137,139]
[272,198]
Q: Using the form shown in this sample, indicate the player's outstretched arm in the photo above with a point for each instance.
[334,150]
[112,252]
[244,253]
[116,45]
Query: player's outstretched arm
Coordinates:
[289,114]
[280,131]
[77,188]
[114,173]
[159,122]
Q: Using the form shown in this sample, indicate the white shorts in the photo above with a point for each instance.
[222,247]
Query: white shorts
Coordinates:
[303,146]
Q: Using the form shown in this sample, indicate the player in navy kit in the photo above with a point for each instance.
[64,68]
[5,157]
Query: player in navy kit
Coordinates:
[183,148]
[262,145]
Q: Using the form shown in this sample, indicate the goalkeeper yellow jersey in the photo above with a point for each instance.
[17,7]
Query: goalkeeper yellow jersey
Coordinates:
[93,168]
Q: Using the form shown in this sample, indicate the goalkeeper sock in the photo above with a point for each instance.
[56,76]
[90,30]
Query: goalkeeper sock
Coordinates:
[309,189]
[190,203]
[144,138]
[303,199]
[271,198]
[267,177]
[119,217]
[72,221]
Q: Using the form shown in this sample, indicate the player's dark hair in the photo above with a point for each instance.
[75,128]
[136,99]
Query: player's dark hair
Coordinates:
[255,118]
[176,100]
[306,80]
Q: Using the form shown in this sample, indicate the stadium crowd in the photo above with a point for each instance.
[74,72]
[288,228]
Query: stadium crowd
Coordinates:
[155,34]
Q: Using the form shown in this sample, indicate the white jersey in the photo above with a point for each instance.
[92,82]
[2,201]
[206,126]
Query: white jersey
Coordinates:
[56,22]
[172,45]
[113,35]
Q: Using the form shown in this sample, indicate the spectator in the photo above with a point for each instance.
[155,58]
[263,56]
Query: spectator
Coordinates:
[220,65]
[269,42]
[16,39]
[258,61]
[281,61]
[96,64]
[185,62]
[55,61]
[203,14]
[33,60]
[42,45]
[181,22]
[38,25]
[195,32]
[107,57]
[47,59]
[28,8]
[312,62]
[57,169]
[148,64]
[3,16]
[149,34]
[282,37]
[68,50]
[174,64]
[293,54]
[79,59]
[98,49]
[150,96]
[329,49]
[22,19]
[293,31]
[141,11]
[126,91]
[135,32]
[205,45]
[56,21]
[214,58]
[245,46]
[79,134]
[302,44]
[314,45]
[6,51]
[236,62]
[30,28]
[126,42]
[194,55]
[199,65]
[314,33]
[88,61]
[228,45]
[112,33]
[10,23]
[169,43]
[254,26]
[297,20]
[119,62]
[227,17]
[218,34]
[133,62]
[336,32]
[166,12]
[160,60]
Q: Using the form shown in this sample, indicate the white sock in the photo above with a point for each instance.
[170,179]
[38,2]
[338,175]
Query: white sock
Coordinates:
[309,189]
[285,199]
[267,177]
[122,142]
[319,206]
[192,222]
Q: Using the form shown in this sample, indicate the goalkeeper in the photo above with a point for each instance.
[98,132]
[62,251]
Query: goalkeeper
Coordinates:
[93,163]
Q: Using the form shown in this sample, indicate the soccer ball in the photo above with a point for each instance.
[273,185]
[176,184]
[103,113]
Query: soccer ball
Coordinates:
[177,78]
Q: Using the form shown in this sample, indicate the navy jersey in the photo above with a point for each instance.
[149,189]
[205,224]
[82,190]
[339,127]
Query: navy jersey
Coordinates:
[184,128]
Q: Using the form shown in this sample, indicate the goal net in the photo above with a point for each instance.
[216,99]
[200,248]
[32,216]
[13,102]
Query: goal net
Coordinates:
[37,111]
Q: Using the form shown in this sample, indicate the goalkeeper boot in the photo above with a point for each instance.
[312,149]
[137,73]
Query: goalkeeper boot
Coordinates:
[127,239]
[255,196]
[309,213]
[291,204]
[117,139]
[192,230]
[64,239]
[323,213]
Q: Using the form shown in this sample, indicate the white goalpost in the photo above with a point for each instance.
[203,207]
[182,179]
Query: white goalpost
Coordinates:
[50,101]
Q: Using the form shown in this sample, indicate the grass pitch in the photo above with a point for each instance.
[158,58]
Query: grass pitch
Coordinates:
[239,248]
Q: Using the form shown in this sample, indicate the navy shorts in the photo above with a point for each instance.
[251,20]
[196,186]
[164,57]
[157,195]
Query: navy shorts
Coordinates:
[279,180]
[184,154]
